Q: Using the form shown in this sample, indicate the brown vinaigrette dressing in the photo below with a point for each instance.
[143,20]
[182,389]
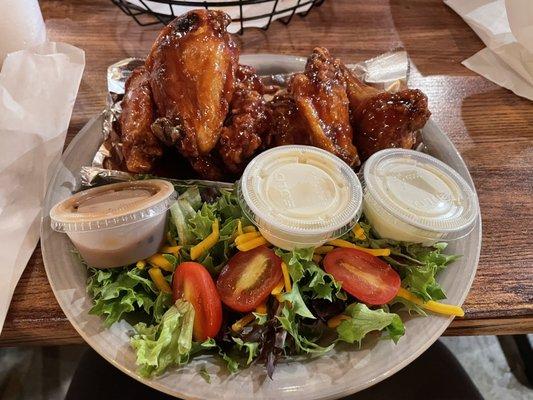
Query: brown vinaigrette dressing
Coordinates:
[116,225]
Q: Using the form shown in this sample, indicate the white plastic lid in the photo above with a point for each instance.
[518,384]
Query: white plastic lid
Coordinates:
[421,191]
[112,205]
[300,192]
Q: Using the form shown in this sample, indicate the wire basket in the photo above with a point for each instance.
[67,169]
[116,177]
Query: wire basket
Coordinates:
[244,13]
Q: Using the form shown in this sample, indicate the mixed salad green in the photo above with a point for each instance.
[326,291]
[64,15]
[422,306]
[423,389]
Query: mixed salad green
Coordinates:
[307,313]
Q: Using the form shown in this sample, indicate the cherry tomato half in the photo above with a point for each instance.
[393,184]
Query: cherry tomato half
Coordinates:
[363,275]
[193,283]
[248,278]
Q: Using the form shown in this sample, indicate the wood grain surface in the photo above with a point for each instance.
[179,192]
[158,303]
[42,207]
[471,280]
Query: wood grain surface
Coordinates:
[491,127]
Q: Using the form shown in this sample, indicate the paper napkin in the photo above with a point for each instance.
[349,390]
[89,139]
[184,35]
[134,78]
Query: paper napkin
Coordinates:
[506,28]
[38,88]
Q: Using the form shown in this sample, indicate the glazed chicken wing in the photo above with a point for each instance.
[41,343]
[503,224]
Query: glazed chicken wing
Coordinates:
[320,96]
[383,120]
[286,125]
[247,123]
[140,147]
[192,69]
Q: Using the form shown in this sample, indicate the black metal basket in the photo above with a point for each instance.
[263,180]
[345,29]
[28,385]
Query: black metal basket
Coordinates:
[150,12]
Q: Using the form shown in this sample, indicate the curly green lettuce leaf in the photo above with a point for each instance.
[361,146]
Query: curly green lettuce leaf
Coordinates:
[179,217]
[228,206]
[193,197]
[181,211]
[206,376]
[289,322]
[296,260]
[231,364]
[166,344]
[120,291]
[400,304]
[321,285]
[297,302]
[251,348]
[315,282]
[364,320]
[161,305]
[422,281]
[260,318]
[201,223]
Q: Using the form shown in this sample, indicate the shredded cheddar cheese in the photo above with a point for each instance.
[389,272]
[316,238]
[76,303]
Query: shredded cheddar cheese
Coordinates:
[241,323]
[359,232]
[245,237]
[252,244]
[261,309]
[346,244]
[239,228]
[286,277]
[159,280]
[207,243]
[170,249]
[436,307]
[279,287]
[158,261]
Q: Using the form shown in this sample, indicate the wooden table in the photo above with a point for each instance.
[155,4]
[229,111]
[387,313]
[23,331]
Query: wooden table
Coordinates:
[491,127]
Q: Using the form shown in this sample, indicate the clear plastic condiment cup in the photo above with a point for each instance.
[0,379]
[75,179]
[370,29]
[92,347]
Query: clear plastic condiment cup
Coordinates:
[413,197]
[300,196]
[118,224]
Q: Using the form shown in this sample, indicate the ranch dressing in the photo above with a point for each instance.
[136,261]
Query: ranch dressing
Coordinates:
[300,196]
[413,197]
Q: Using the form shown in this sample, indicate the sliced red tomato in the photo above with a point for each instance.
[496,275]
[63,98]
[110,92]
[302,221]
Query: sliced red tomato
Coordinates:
[193,283]
[248,278]
[363,275]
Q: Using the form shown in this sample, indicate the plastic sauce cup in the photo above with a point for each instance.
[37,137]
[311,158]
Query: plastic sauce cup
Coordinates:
[118,224]
[413,197]
[300,196]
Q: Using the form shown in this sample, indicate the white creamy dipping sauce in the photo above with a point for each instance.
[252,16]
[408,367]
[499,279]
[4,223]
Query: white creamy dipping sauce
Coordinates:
[411,196]
[300,196]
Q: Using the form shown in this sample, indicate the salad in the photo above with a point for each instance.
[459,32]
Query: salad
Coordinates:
[217,286]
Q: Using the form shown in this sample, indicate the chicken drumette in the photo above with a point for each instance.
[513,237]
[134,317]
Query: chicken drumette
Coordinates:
[383,120]
[247,124]
[140,147]
[322,103]
[286,125]
[192,68]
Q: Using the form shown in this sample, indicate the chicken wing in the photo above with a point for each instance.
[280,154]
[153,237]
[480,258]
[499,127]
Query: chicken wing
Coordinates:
[320,96]
[192,70]
[383,120]
[140,147]
[286,125]
[247,123]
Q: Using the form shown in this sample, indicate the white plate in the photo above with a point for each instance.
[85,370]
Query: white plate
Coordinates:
[341,372]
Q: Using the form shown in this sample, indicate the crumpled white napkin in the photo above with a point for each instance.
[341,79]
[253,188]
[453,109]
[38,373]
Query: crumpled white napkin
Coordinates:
[506,28]
[38,88]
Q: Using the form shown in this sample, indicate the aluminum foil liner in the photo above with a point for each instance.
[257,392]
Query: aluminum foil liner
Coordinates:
[94,176]
[388,71]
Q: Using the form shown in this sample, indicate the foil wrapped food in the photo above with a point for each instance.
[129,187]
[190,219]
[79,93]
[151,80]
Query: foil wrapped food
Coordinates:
[388,71]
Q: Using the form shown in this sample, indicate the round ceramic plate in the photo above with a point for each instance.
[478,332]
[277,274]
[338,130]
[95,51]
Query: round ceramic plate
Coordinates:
[341,372]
